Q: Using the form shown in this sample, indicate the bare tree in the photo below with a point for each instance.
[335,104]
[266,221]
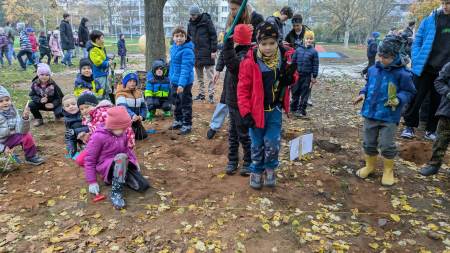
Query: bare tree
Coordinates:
[375,13]
[112,9]
[155,47]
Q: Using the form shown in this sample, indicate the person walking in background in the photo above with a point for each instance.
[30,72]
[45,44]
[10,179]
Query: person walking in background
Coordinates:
[11,33]
[4,49]
[67,40]
[55,47]
[44,48]
[83,36]
[372,49]
[34,45]
[204,36]
[25,47]
[279,19]
[122,51]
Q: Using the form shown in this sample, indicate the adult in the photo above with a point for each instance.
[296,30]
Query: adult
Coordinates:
[372,50]
[279,19]
[408,35]
[67,40]
[83,36]
[203,34]
[11,33]
[430,52]
[252,18]
[296,36]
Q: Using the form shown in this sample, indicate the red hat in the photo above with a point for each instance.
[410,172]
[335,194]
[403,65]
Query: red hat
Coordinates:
[117,118]
[242,34]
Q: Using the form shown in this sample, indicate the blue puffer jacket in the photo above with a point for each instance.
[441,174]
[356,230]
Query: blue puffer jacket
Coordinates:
[307,60]
[423,43]
[376,91]
[181,71]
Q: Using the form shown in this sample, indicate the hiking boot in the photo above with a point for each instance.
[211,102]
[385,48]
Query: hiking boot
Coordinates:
[211,99]
[429,170]
[167,114]
[185,130]
[270,180]
[408,133]
[431,136]
[211,133]
[38,122]
[176,125]
[200,97]
[35,160]
[231,168]
[255,181]
[245,169]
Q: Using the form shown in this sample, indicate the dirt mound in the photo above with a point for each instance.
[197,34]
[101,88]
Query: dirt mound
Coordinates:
[418,152]
[328,146]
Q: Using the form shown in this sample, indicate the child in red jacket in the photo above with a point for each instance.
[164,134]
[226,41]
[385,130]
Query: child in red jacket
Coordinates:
[263,90]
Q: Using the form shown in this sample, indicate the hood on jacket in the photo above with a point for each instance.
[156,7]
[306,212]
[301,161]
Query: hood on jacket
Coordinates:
[161,63]
[201,20]
[83,22]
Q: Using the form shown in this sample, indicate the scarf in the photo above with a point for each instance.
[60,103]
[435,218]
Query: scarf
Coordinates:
[87,79]
[11,117]
[271,62]
[127,92]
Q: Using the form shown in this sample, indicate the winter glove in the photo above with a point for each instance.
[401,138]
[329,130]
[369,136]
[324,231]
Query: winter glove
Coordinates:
[94,188]
[248,121]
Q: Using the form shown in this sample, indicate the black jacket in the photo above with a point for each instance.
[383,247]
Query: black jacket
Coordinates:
[204,36]
[83,33]
[296,40]
[232,58]
[73,121]
[65,30]
[442,85]
[55,97]
[43,45]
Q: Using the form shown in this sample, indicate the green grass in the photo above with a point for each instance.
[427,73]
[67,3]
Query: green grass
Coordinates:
[131,44]
[19,97]
[13,74]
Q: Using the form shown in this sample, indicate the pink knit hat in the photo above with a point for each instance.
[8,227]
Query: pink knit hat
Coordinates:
[43,69]
[117,118]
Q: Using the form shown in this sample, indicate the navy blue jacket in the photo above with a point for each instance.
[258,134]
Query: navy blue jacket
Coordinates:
[73,121]
[121,48]
[307,60]
[376,91]
[372,47]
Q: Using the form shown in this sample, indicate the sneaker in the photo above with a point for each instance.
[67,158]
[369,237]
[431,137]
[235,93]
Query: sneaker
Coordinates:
[211,99]
[431,136]
[303,113]
[408,133]
[38,122]
[255,181]
[176,125]
[211,133]
[310,103]
[429,170]
[297,114]
[199,98]
[231,168]
[35,160]
[185,130]
[245,169]
[270,179]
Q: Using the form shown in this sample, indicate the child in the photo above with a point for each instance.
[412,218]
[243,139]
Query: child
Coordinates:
[122,51]
[74,128]
[157,90]
[45,95]
[25,48]
[44,48]
[388,89]
[4,42]
[442,85]
[233,53]
[263,89]
[55,46]
[85,81]
[99,59]
[181,74]
[108,155]
[307,60]
[34,44]
[15,130]
[131,97]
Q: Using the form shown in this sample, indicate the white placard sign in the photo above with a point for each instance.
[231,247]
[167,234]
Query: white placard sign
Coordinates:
[301,146]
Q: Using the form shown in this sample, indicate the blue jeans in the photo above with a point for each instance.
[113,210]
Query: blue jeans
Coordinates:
[11,52]
[266,142]
[67,57]
[5,52]
[219,116]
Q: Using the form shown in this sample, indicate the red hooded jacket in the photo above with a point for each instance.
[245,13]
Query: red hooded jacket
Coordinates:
[250,90]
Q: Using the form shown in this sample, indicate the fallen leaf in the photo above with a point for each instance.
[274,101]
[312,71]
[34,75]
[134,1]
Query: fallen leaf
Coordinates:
[70,234]
[266,227]
[395,217]
[51,202]
[95,230]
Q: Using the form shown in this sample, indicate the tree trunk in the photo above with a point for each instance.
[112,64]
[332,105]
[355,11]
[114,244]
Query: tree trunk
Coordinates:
[155,45]
[110,19]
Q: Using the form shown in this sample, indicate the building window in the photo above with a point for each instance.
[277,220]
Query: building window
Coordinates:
[224,8]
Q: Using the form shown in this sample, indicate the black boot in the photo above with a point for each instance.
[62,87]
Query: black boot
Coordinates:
[231,168]
[200,97]
[210,134]
[429,170]
[245,170]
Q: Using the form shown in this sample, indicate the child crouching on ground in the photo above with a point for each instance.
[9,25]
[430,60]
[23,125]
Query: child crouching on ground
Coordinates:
[388,89]
[440,145]
[131,97]
[157,90]
[85,81]
[108,155]
[74,128]
[263,90]
[15,130]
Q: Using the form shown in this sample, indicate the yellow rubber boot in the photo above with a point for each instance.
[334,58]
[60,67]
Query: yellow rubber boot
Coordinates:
[371,162]
[388,174]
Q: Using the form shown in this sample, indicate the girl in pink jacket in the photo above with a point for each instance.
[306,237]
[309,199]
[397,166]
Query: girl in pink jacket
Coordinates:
[55,46]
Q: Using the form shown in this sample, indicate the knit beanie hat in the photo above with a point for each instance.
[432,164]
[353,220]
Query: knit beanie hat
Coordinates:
[85,62]
[117,118]
[29,30]
[87,98]
[4,92]
[392,45]
[194,10]
[267,30]
[297,19]
[243,34]
[129,75]
[43,69]
[68,97]
[375,34]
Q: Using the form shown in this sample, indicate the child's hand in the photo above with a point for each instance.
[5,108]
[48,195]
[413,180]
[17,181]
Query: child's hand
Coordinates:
[213,56]
[313,82]
[180,90]
[49,106]
[135,118]
[8,151]
[393,102]
[94,188]
[359,99]
[44,100]
[26,113]
[85,138]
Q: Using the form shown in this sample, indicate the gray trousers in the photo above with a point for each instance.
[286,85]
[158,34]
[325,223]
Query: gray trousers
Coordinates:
[201,79]
[379,135]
